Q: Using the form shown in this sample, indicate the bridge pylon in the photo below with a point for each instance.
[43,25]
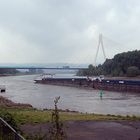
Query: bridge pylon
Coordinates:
[102,46]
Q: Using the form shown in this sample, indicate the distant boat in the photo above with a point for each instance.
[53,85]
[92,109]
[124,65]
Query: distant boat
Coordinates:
[2,88]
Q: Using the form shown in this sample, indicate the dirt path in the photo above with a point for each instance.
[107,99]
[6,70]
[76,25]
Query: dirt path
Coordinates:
[93,130]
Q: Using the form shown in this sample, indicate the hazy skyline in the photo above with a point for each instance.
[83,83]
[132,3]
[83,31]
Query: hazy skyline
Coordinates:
[66,31]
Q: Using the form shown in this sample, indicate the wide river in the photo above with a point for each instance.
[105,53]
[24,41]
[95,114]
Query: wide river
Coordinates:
[22,89]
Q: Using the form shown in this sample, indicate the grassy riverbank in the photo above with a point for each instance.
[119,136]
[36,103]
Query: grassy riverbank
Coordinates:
[25,113]
[33,116]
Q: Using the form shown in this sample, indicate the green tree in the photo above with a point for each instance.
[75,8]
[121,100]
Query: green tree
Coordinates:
[117,66]
[133,71]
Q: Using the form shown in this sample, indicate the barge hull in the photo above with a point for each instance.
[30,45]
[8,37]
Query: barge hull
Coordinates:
[109,85]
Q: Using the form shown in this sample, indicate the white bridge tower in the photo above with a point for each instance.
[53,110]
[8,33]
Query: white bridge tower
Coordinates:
[102,46]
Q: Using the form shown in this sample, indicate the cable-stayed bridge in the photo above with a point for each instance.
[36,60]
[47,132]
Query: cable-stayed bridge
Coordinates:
[100,46]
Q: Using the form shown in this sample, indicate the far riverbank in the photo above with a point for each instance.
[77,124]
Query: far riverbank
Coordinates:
[18,74]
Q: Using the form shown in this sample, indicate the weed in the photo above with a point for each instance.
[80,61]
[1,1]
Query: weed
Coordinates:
[56,131]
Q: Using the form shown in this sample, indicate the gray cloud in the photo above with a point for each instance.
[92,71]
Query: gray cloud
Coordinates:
[44,31]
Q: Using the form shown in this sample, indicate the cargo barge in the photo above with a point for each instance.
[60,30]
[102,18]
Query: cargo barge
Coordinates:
[96,83]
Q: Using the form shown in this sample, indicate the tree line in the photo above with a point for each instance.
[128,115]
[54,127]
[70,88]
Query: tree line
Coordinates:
[123,64]
[8,71]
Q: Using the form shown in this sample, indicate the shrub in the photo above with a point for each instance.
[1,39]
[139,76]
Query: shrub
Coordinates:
[9,119]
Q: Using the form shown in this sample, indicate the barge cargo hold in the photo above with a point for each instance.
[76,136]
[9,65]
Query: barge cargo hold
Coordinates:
[101,84]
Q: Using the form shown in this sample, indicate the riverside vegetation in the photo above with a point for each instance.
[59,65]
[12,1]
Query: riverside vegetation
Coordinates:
[123,64]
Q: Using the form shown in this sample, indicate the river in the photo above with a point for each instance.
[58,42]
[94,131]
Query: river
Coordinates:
[22,89]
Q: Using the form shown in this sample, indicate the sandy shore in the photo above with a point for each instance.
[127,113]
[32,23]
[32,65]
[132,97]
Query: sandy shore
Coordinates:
[92,130]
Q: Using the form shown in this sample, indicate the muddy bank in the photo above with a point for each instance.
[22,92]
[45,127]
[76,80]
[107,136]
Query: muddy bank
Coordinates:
[4,102]
[89,130]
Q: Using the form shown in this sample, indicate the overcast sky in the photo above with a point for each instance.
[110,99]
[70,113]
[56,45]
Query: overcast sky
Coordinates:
[50,31]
